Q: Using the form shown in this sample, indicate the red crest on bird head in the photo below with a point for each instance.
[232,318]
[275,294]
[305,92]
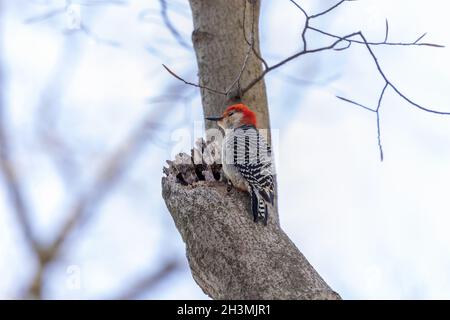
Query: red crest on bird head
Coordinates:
[248,116]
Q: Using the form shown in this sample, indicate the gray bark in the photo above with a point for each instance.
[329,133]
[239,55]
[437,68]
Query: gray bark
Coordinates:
[230,256]
[220,48]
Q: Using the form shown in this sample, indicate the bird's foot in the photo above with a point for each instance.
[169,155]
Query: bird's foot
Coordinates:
[229,186]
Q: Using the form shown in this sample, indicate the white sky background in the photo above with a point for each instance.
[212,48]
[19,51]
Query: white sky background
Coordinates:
[371,229]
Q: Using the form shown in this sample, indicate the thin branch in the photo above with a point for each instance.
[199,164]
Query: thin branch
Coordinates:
[346,38]
[55,12]
[292,57]
[14,187]
[16,195]
[112,170]
[329,9]
[241,71]
[165,16]
[381,96]
[376,111]
[249,50]
[293,80]
[300,7]
[89,33]
[191,83]
[305,28]
[356,103]
[45,16]
[387,32]
[349,39]
[249,43]
[415,43]
[421,37]
[332,46]
[388,82]
[349,44]
[305,51]
[83,28]
[380,145]
[59,152]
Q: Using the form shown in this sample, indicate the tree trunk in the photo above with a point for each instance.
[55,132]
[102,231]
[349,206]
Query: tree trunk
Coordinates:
[230,256]
[220,48]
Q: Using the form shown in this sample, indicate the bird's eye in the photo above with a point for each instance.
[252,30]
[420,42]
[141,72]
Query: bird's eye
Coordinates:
[230,113]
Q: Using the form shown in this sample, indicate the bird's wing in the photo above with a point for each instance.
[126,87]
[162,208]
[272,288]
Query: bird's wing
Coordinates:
[253,159]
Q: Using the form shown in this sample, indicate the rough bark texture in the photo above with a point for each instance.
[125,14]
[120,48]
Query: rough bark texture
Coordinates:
[230,256]
[220,48]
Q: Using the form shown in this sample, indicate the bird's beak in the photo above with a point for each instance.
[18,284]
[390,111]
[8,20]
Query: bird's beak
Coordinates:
[214,118]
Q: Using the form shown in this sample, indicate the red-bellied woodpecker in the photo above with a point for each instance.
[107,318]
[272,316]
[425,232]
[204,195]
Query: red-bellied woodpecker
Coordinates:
[246,157]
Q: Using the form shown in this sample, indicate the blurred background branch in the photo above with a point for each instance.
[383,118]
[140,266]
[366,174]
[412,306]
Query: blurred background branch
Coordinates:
[88,116]
[171,27]
[110,173]
[12,179]
[150,281]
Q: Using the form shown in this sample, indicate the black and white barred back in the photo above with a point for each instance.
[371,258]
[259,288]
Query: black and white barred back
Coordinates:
[251,155]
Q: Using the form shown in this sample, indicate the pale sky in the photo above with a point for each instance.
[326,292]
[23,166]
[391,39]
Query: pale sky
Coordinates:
[372,229]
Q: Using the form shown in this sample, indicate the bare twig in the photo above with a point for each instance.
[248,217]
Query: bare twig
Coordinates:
[387,31]
[388,84]
[384,43]
[13,183]
[377,112]
[252,43]
[299,7]
[165,16]
[380,146]
[55,12]
[48,109]
[305,51]
[251,46]
[349,40]
[191,83]
[355,103]
[82,27]
[339,39]
[89,33]
[292,57]
[329,9]
[15,190]
[46,15]
[112,171]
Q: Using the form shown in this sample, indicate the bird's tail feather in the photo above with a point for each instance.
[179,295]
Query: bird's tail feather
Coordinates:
[259,208]
[263,213]
[255,208]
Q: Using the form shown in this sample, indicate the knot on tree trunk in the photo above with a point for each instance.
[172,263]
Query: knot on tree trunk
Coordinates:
[230,256]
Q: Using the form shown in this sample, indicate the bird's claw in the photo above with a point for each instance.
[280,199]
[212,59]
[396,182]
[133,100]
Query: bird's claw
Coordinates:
[229,186]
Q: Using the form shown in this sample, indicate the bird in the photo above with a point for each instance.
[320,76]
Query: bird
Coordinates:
[246,158]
